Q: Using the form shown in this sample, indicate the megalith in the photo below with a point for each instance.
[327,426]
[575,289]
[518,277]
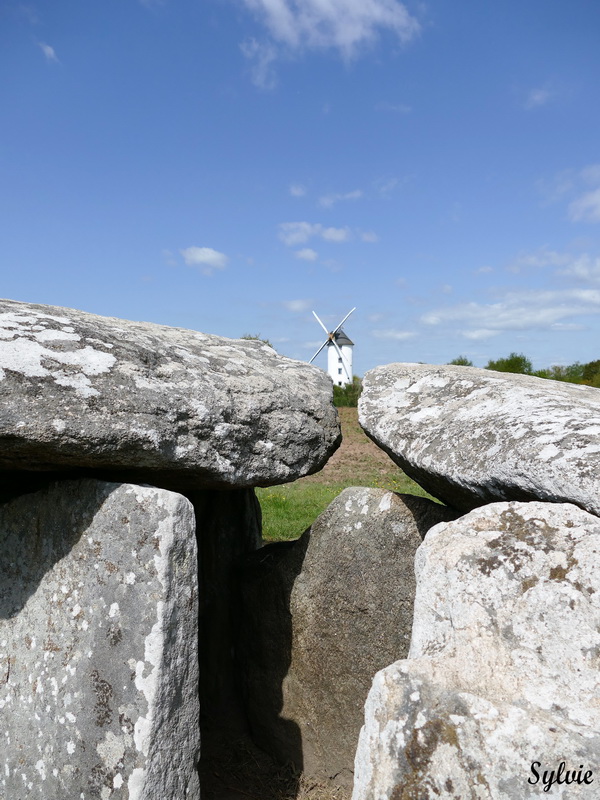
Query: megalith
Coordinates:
[98,644]
[501,683]
[150,403]
[320,616]
[473,436]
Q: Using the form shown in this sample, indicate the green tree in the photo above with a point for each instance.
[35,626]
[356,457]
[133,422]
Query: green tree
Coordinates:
[461,361]
[515,362]
[347,396]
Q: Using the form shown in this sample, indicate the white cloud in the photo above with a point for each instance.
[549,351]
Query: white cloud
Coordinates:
[481,333]
[518,311]
[207,259]
[297,26]
[543,257]
[586,208]
[483,270]
[538,97]
[585,268]
[297,305]
[48,51]
[391,333]
[385,186]
[336,234]
[369,236]
[343,25]
[297,190]
[292,233]
[329,200]
[307,254]
[262,55]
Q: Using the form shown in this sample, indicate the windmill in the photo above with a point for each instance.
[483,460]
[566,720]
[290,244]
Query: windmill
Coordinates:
[339,353]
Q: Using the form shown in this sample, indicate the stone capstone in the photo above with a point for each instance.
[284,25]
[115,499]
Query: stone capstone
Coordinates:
[148,403]
[98,644]
[320,616]
[503,670]
[472,436]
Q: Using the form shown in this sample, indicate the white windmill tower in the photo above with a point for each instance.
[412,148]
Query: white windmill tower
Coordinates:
[339,353]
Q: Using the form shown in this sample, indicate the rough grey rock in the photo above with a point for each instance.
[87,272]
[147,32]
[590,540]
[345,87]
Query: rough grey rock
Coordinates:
[472,436]
[146,402]
[503,665]
[321,616]
[98,644]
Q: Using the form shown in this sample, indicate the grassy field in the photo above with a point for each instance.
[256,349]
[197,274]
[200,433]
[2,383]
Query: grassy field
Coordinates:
[289,509]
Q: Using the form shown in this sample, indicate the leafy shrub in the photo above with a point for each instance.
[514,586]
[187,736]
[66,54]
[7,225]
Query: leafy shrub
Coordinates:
[461,361]
[515,362]
[347,396]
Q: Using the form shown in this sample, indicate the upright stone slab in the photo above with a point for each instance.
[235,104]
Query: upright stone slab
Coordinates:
[472,436]
[98,644]
[143,402]
[502,682]
[320,616]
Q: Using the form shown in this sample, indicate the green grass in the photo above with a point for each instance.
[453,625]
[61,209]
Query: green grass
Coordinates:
[290,509]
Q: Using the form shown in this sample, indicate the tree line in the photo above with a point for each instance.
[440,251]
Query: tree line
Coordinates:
[588,373]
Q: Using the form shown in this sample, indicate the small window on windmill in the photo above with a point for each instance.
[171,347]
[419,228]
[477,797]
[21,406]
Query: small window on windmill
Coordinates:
[340,371]
[339,360]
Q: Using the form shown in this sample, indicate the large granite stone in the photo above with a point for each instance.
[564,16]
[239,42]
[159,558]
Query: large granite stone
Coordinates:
[146,402]
[503,670]
[320,616]
[98,644]
[471,436]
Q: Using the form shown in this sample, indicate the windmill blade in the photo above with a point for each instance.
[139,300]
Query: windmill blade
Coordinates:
[320,323]
[325,343]
[342,322]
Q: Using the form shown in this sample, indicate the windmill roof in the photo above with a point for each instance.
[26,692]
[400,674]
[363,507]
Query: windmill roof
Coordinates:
[341,338]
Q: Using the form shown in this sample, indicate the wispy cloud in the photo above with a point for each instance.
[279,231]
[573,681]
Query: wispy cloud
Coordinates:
[369,236]
[581,188]
[517,311]
[397,108]
[538,97]
[307,254]
[205,258]
[297,190]
[583,268]
[346,26]
[48,52]
[293,233]
[297,306]
[329,200]
[392,333]
[586,208]
[336,234]
[538,259]
[262,56]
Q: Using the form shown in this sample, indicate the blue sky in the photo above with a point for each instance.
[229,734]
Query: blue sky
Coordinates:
[230,165]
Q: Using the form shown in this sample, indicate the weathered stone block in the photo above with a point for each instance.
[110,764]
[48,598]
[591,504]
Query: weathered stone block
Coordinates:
[472,436]
[150,403]
[98,644]
[503,670]
[321,616]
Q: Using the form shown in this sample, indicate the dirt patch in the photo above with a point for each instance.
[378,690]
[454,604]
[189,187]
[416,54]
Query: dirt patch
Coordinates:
[358,460]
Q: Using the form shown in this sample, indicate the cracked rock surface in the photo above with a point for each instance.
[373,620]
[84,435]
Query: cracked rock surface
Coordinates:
[473,436]
[146,402]
[503,668]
